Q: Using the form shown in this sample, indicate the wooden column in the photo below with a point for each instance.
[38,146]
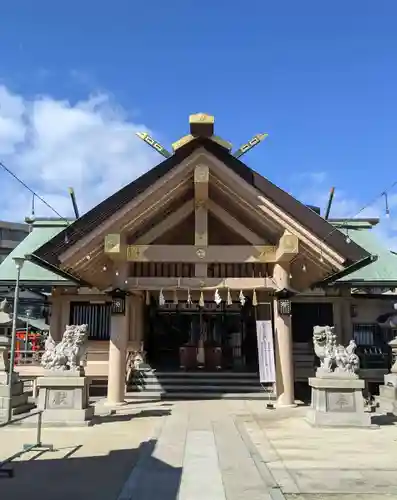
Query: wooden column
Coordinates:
[346,318]
[56,318]
[119,330]
[201,179]
[136,323]
[284,344]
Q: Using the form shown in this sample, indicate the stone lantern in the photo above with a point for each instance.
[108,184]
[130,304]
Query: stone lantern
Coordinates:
[388,391]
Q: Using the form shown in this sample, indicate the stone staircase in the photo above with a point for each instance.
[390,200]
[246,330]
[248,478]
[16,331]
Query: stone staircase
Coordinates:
[154,384]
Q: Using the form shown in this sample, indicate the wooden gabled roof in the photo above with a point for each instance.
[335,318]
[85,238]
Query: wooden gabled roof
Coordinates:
[352,252]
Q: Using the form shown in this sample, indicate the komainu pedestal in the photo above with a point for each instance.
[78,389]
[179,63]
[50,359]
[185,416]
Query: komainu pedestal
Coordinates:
[388,391]
[63,391]
[337,398]
[337,401]
[64,399]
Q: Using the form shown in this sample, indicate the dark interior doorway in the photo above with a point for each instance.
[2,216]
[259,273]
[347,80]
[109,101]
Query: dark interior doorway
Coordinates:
[304,317]
[232,329]
[307,315]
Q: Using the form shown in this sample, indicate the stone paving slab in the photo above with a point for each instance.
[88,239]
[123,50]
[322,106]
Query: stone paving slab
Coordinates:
[201,474]
[89,462]
[212,450]
[313,463]
[339,496]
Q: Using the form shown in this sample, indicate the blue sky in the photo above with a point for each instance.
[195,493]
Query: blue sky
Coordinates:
[319,77]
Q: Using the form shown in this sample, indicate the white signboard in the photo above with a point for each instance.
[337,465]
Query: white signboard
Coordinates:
[267,367]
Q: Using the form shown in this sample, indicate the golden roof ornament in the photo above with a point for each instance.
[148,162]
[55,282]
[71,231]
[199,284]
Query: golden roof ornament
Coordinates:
[201,125]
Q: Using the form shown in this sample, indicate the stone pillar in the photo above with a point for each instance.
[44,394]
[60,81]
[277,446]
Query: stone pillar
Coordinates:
[388,391]
[17,400]
[284,344]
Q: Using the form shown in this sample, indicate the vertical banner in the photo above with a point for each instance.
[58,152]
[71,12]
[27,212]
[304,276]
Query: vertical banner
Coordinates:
[267,367]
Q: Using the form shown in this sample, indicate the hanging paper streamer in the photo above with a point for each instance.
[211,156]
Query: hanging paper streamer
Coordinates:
[217,297]
[254,299]
[241,298]
[161,298]
[175,299]
[189,298]
[229,300]
[201,300]
[147,298]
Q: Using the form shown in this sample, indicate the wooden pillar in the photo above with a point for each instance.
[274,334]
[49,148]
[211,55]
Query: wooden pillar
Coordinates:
[284,344]
[201,179]
[56,318]
[136,322]
[119,330]
[346,319]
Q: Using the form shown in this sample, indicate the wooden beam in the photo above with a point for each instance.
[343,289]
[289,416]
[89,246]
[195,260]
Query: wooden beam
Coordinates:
[140,215]
[194,254]
[235,225]
[271,210]
[166,224]
[154,193]
[200,283]
[201,180]
[288,247]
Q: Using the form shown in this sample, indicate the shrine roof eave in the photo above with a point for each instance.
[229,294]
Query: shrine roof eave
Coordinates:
[69,279]
[323,230]
[333,278]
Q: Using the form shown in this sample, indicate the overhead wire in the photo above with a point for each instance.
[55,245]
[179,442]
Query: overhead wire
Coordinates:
[344,221]
[323,240]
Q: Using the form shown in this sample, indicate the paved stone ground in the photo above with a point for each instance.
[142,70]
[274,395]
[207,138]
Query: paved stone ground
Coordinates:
[310,463]
[212,450]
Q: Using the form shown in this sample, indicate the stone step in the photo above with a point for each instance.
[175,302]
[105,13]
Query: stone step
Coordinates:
[200,381]
[198,385]
[200,374]
[201,387]
[24,408]
[153,396]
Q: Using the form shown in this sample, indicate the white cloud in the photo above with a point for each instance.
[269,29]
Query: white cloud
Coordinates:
[91,146]
[344,206]
[51,145]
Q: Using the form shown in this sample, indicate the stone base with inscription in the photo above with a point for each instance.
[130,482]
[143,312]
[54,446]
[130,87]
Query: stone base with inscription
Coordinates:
[64,398]
[337,402]
[19,399]
[388,394]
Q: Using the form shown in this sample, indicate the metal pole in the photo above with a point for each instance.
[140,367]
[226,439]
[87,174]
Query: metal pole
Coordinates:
[26,339]
[19,264]
[39,423]
[27,335]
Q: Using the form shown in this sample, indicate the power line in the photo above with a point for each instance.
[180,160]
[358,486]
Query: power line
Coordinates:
[33,192]
[373,200]
[346,220]
[335,228]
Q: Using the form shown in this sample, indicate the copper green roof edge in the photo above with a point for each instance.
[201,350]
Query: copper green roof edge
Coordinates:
[382,270]
[31,272]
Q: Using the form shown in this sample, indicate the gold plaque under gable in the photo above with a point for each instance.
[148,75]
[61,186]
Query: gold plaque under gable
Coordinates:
[112,243]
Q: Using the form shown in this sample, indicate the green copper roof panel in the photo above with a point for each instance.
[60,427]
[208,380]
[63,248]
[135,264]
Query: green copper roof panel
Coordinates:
[42,232]
[383,269]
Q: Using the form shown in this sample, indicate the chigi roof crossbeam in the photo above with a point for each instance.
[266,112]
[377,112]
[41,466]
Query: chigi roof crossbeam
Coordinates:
[201,125]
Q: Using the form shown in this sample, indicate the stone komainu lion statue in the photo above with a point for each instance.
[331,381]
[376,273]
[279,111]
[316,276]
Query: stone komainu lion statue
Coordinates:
[334,358]
[324,341]
[69,353]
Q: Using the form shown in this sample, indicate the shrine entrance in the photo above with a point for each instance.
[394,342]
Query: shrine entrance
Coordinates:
[190,337]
